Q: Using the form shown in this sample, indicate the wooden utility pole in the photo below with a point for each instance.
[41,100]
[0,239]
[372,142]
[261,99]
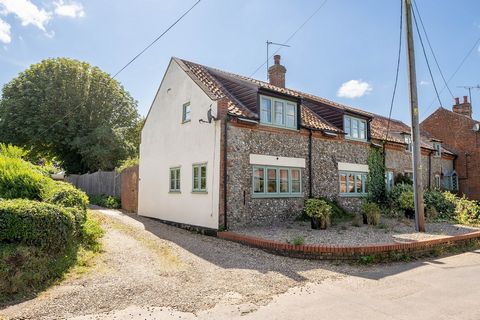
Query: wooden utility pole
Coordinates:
[412,85]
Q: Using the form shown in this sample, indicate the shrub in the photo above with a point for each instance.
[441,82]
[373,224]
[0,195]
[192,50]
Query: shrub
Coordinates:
[372,212]
[11,151]
[339,214]
[35,223]
[106,201]
[130,162]
[442,202]
[403,179]
[467,211]
[20,179]
[79,217]
[396,192]
[64,194]
[319,209]
[406,201]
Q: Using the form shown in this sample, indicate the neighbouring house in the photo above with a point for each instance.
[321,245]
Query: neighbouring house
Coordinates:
[461,133]
[223,150]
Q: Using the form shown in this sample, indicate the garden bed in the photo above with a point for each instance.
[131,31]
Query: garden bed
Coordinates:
[353,234]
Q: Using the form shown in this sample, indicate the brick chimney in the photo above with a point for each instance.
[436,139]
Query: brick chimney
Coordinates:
[276,73]
[464,108]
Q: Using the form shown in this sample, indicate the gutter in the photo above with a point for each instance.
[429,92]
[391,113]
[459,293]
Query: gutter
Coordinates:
[310,178]
[225,144]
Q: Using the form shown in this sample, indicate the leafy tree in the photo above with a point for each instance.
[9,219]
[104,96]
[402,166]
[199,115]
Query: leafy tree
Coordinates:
[69,110]
[377,191]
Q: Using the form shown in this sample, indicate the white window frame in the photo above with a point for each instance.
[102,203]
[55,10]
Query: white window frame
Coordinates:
[438,149]
[176,180]
[351,127]
[186,116]
[271,120]
[389,179]
[437,181]
[408,143]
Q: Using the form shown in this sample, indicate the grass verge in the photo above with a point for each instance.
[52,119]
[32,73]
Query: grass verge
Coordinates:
[26,270]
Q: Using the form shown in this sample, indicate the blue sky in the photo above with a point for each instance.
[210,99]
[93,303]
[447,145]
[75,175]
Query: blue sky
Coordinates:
[348,42]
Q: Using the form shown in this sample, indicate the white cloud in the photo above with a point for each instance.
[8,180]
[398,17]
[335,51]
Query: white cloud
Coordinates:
[27,12]
[71,10]
[5,36]
[424,83]
[354,89]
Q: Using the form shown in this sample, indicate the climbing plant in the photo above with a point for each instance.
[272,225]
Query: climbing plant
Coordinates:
[377,191]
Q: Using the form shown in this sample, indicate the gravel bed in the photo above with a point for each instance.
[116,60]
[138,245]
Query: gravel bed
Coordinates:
[348,233]
[150,264]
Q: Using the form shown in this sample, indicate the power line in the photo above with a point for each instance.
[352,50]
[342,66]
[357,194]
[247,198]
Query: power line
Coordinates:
[396,72]
[431,49]
[156,39]
[458,69]
[126,65]
[426,58]
[291,36]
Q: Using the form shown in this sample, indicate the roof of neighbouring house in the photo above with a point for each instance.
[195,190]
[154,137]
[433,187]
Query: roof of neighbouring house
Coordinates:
[241,93]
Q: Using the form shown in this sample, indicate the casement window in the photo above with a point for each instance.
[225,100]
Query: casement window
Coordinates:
[408,143]
[355,128]
[175,179]
[389,180]
[277,182]
[438,149]
[450,181]
[199,178]
[353,183]
[437,182]
[278,112]
[186,112]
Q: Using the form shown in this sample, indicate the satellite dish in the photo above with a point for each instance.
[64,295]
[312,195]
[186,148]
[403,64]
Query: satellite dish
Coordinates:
[476,127]
[210,116]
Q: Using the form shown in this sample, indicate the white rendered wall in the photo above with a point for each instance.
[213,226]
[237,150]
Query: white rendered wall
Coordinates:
[166,143]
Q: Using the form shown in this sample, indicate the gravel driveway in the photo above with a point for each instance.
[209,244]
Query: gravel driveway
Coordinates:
[149,264]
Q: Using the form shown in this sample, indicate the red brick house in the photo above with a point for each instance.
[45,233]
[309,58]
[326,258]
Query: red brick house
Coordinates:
[461,133]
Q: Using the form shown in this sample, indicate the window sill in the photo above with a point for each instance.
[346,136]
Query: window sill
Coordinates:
[266,124]
[174,192]
[276,195]
[200,192]
[186,121]
[353,195]
[356,139]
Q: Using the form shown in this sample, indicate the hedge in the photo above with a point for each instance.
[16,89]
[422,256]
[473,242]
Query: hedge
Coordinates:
[20,179]
[36,223]
[64,194]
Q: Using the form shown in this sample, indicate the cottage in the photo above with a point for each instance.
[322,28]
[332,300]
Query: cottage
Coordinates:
[223,150]
[457,129]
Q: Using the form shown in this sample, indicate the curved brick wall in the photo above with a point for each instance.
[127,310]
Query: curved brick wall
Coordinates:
[315,251]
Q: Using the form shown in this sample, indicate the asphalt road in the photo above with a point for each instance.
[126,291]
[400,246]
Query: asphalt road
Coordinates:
[447,288]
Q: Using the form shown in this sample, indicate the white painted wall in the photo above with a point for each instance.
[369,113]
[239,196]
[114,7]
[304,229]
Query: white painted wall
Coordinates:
[166,143]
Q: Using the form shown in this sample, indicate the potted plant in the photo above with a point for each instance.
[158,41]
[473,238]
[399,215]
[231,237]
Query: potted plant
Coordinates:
[319,212]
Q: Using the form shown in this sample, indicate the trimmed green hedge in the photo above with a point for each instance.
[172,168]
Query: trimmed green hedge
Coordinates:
[64,194]
[36,223]
[20,179]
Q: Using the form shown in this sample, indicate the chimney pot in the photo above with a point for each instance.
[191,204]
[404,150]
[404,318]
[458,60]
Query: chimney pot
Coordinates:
[465,99]
[276,59]
[457,100]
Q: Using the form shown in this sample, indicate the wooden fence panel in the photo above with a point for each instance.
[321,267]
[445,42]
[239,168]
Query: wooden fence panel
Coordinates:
[97,183]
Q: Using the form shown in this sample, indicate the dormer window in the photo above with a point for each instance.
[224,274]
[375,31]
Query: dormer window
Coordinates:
[278,112]
[408,143]
[438,149]
[355,128]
